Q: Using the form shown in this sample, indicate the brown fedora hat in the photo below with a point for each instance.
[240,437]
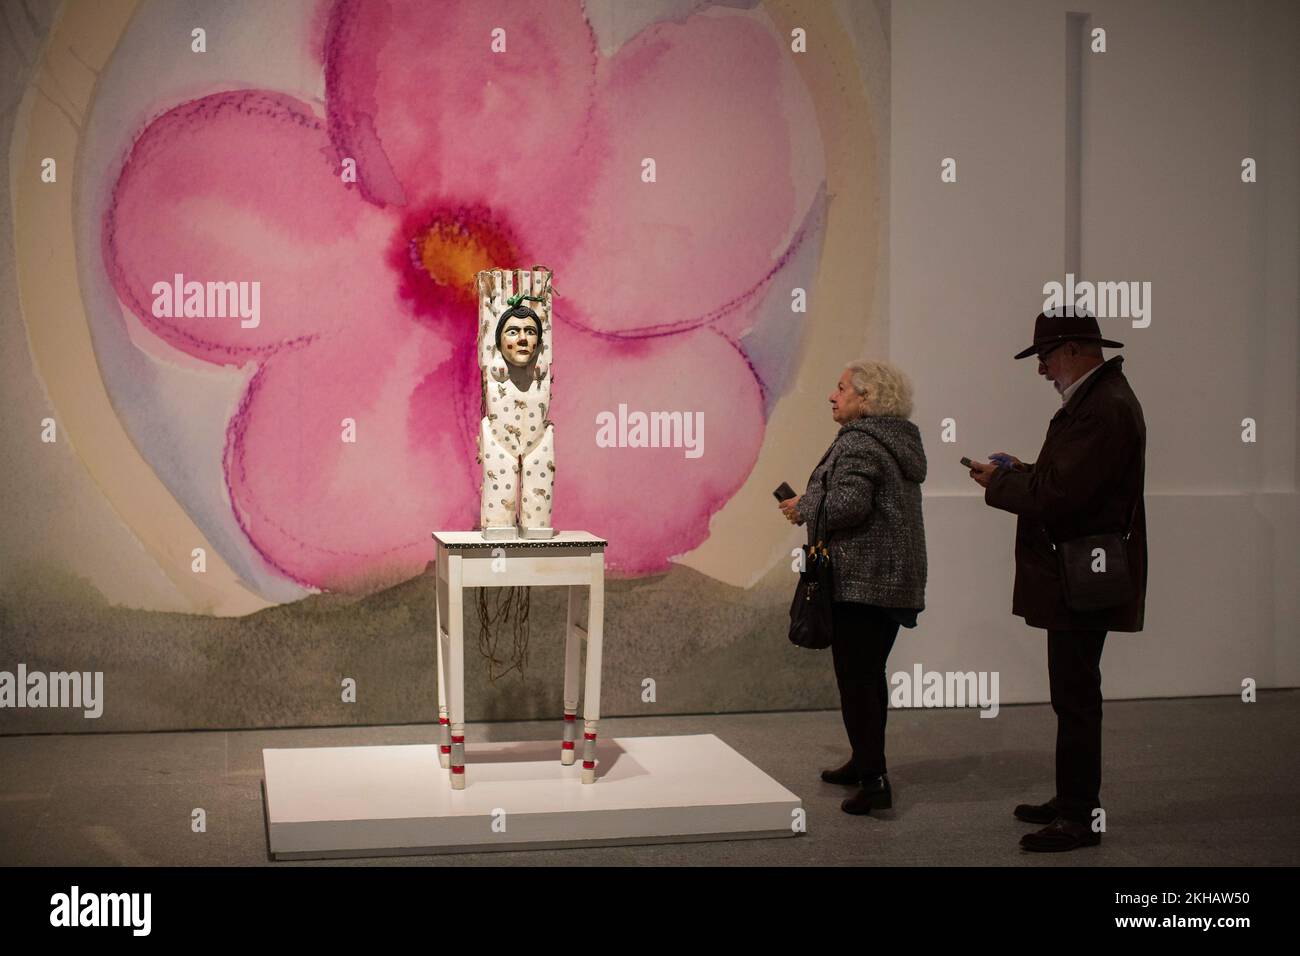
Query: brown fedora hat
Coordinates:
[1063,325]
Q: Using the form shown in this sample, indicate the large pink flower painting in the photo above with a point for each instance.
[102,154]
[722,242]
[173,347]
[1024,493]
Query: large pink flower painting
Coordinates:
[467,158]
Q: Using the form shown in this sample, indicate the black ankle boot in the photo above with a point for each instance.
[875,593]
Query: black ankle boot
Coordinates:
[846,775]
[1036,812]
[875,794]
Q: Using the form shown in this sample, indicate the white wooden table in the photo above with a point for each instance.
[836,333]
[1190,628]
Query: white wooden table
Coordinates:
[572,559]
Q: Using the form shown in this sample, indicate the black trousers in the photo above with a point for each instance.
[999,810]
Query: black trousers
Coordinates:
[861,640]
[1074,672]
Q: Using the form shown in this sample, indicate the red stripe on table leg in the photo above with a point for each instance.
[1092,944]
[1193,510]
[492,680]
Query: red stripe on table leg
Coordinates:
[588,736]
[443,720]
[570,716]
[460,769]
[457,740]
[589,765]
[444,749]
[567,744]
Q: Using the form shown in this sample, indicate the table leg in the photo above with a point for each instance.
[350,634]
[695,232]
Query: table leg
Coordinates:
[439,599]
[595,641]
[456,679]
[572,642]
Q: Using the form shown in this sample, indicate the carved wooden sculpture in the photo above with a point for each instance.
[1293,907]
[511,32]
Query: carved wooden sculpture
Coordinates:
[516,444]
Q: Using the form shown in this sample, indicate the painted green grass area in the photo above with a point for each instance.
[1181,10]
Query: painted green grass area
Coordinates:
[708,647]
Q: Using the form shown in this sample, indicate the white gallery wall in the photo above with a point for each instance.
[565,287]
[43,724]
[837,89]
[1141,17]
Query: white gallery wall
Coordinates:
[1164,117]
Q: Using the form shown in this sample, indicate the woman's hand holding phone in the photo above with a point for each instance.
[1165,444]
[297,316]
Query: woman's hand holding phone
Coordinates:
[788,501]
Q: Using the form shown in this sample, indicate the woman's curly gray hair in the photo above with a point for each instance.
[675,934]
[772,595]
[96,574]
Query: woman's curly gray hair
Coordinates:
[886,389]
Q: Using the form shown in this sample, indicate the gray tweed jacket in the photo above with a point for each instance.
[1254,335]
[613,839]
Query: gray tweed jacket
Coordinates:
[873,470]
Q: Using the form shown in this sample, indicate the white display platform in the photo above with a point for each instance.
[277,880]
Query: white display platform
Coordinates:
[380,801]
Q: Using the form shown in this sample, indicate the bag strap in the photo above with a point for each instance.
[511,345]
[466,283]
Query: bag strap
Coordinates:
[1132,517]
[1132,520]
[821,540]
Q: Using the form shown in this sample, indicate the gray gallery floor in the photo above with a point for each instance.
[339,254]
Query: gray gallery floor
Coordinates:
[1207,781]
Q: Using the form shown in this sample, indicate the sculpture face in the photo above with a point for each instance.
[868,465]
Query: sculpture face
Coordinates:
[519,340]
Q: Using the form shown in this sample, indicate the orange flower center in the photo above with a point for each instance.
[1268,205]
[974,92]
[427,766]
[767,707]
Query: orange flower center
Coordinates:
[453,254]
[445,248]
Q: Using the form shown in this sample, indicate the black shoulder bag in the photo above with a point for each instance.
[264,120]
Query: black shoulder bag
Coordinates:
[810,611]
[1094,569]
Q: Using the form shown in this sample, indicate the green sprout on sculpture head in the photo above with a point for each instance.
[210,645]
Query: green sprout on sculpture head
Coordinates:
[514,300]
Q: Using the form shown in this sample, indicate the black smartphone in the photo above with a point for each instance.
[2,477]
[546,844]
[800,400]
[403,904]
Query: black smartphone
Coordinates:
[784,492]
[968,463]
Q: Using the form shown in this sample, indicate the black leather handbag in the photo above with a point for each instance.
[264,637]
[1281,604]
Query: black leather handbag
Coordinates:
[810,611]
[1094,570]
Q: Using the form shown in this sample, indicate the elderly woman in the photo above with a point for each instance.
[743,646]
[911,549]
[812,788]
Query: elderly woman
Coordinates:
[872,520]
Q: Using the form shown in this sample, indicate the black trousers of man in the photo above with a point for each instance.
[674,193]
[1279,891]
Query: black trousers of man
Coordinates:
[863,636]
[1074,673]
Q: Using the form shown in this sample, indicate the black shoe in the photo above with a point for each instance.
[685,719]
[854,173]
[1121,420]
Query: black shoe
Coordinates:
[1060,835]
[875,794]
[1036,812]
[846,775]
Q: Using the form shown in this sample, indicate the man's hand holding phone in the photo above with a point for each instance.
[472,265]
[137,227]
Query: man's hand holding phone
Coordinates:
[982,471]
[1003,460]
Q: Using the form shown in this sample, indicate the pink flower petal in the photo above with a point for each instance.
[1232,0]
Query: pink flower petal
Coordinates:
[650,503]
[241,187]
[704,100]
[417,95]
[356,516]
